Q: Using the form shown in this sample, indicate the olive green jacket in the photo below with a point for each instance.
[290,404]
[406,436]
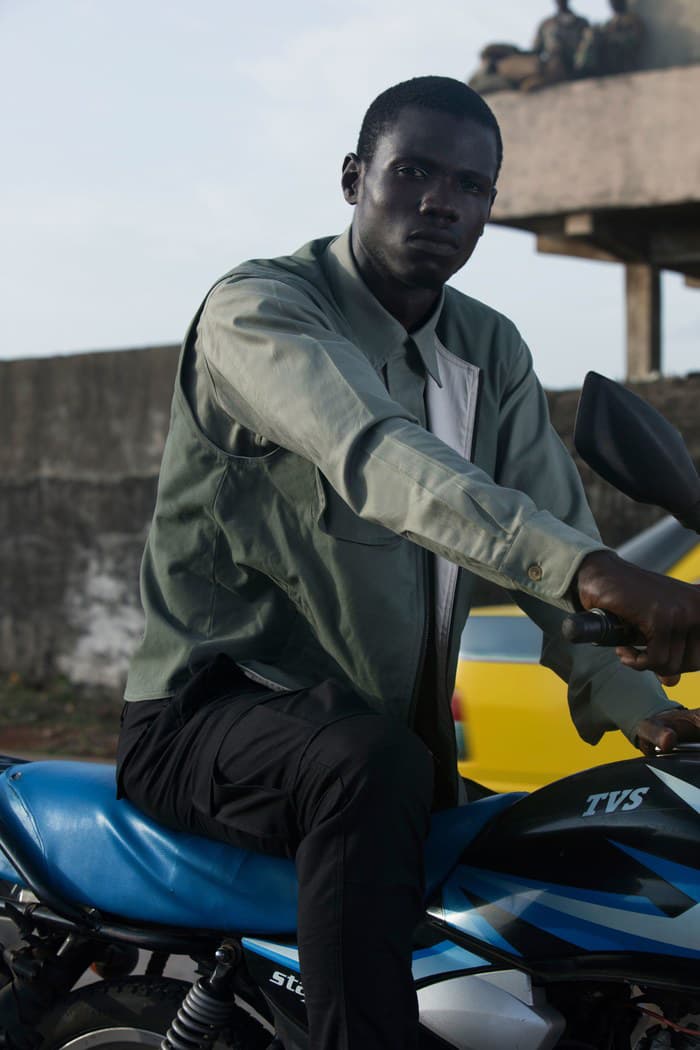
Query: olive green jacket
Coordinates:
[299,493]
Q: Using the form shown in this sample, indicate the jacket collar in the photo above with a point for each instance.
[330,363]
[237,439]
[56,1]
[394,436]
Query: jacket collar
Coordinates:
[378,333]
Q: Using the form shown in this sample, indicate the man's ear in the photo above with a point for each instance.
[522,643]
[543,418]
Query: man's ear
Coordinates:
[350,178]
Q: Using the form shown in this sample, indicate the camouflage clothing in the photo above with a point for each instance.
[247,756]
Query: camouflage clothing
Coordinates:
[559,38]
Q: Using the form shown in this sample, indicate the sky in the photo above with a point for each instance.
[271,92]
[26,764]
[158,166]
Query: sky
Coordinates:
[148,147]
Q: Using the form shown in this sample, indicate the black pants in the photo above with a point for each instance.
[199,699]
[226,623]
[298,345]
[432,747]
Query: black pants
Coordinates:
[315,775]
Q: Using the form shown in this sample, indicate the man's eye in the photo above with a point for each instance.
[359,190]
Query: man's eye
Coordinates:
[469,186]
[410,172]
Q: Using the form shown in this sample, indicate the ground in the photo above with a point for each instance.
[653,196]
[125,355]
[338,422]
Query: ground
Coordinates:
[56,719]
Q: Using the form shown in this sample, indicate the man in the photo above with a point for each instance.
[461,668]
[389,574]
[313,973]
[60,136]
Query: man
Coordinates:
[557,38]
[346,435]
[622,37]
[612,47]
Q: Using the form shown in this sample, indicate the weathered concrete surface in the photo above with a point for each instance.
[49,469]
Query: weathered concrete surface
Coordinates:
[80,444]
[673,32]
[87,417]
[605,143]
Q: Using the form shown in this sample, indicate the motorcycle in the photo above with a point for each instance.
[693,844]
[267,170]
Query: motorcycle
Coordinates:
[566,918]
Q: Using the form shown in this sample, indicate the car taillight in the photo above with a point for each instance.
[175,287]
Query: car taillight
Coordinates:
[461,735]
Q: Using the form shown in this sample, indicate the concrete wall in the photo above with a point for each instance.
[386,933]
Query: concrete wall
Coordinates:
[673,32]
[612,142]
[80,444]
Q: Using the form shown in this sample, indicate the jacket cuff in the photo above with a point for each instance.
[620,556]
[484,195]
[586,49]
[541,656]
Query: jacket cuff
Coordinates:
[620,698]
[544,557]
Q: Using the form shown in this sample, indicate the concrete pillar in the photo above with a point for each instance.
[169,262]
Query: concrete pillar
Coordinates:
[643,287]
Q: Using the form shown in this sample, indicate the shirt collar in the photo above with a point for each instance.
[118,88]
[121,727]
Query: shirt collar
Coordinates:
[378,333]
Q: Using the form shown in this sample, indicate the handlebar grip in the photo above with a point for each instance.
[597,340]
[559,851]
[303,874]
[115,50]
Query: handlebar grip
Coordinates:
[598,627]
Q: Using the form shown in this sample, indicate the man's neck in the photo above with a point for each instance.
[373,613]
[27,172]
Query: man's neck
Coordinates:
[410,306]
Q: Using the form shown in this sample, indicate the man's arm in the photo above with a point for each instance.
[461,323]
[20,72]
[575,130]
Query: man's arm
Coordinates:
[603,693]
[279,369]
[538,42]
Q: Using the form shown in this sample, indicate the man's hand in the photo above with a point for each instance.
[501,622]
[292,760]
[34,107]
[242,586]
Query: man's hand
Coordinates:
[666,612]
[667,729]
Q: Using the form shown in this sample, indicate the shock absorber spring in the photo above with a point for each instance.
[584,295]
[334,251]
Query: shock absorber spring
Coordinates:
[199,1020]
[206,1009]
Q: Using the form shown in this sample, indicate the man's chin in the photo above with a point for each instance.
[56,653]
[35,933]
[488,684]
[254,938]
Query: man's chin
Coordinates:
[429,277]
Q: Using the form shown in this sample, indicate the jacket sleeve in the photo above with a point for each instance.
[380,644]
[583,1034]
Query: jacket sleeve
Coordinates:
[279,369]
[603,694]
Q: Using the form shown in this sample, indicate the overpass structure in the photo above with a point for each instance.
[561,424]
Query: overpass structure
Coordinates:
[608,168]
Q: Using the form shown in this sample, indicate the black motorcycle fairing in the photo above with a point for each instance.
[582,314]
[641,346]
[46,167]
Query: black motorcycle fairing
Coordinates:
[599,869]
[280,982]
[565,831]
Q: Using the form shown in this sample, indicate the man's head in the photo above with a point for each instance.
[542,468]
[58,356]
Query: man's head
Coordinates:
[423,182]
[437,94]
[619,6]
[562,6]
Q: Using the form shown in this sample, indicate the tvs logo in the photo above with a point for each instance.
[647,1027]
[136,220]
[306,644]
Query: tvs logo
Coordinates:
[611,801]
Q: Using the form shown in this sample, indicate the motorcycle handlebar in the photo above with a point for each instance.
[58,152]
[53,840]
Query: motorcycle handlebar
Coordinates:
[598,627]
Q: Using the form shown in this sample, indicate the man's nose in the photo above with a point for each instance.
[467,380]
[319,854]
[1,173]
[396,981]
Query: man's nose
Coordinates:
[438,199]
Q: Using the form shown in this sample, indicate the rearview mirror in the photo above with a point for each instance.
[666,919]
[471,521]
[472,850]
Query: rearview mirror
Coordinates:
[631,445]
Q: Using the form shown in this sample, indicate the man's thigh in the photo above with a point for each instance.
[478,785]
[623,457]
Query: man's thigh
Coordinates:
[278,769]
[248,767]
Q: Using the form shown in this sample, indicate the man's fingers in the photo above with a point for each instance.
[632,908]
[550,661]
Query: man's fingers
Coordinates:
[669,680]
[691,659]
[665,730]
[665,611]
[635,658]
[653,736]
[668,654]
[686,724]
[666,645]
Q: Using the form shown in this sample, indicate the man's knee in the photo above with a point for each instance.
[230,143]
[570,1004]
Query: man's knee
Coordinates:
[398,763]
[376,761]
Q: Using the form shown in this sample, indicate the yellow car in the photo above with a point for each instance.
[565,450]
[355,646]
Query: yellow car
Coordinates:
[512,720]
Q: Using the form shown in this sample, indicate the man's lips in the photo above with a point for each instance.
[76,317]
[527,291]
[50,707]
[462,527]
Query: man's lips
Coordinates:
[434,241]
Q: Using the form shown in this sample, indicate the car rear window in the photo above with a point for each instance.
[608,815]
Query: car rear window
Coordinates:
[659,548]
[501,639]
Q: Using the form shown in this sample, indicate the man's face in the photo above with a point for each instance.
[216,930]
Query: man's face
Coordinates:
[423,199]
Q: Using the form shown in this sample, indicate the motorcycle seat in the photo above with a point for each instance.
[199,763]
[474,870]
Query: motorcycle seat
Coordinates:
[67,831]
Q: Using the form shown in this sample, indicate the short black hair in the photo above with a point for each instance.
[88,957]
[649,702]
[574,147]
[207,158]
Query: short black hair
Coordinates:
[443,94]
